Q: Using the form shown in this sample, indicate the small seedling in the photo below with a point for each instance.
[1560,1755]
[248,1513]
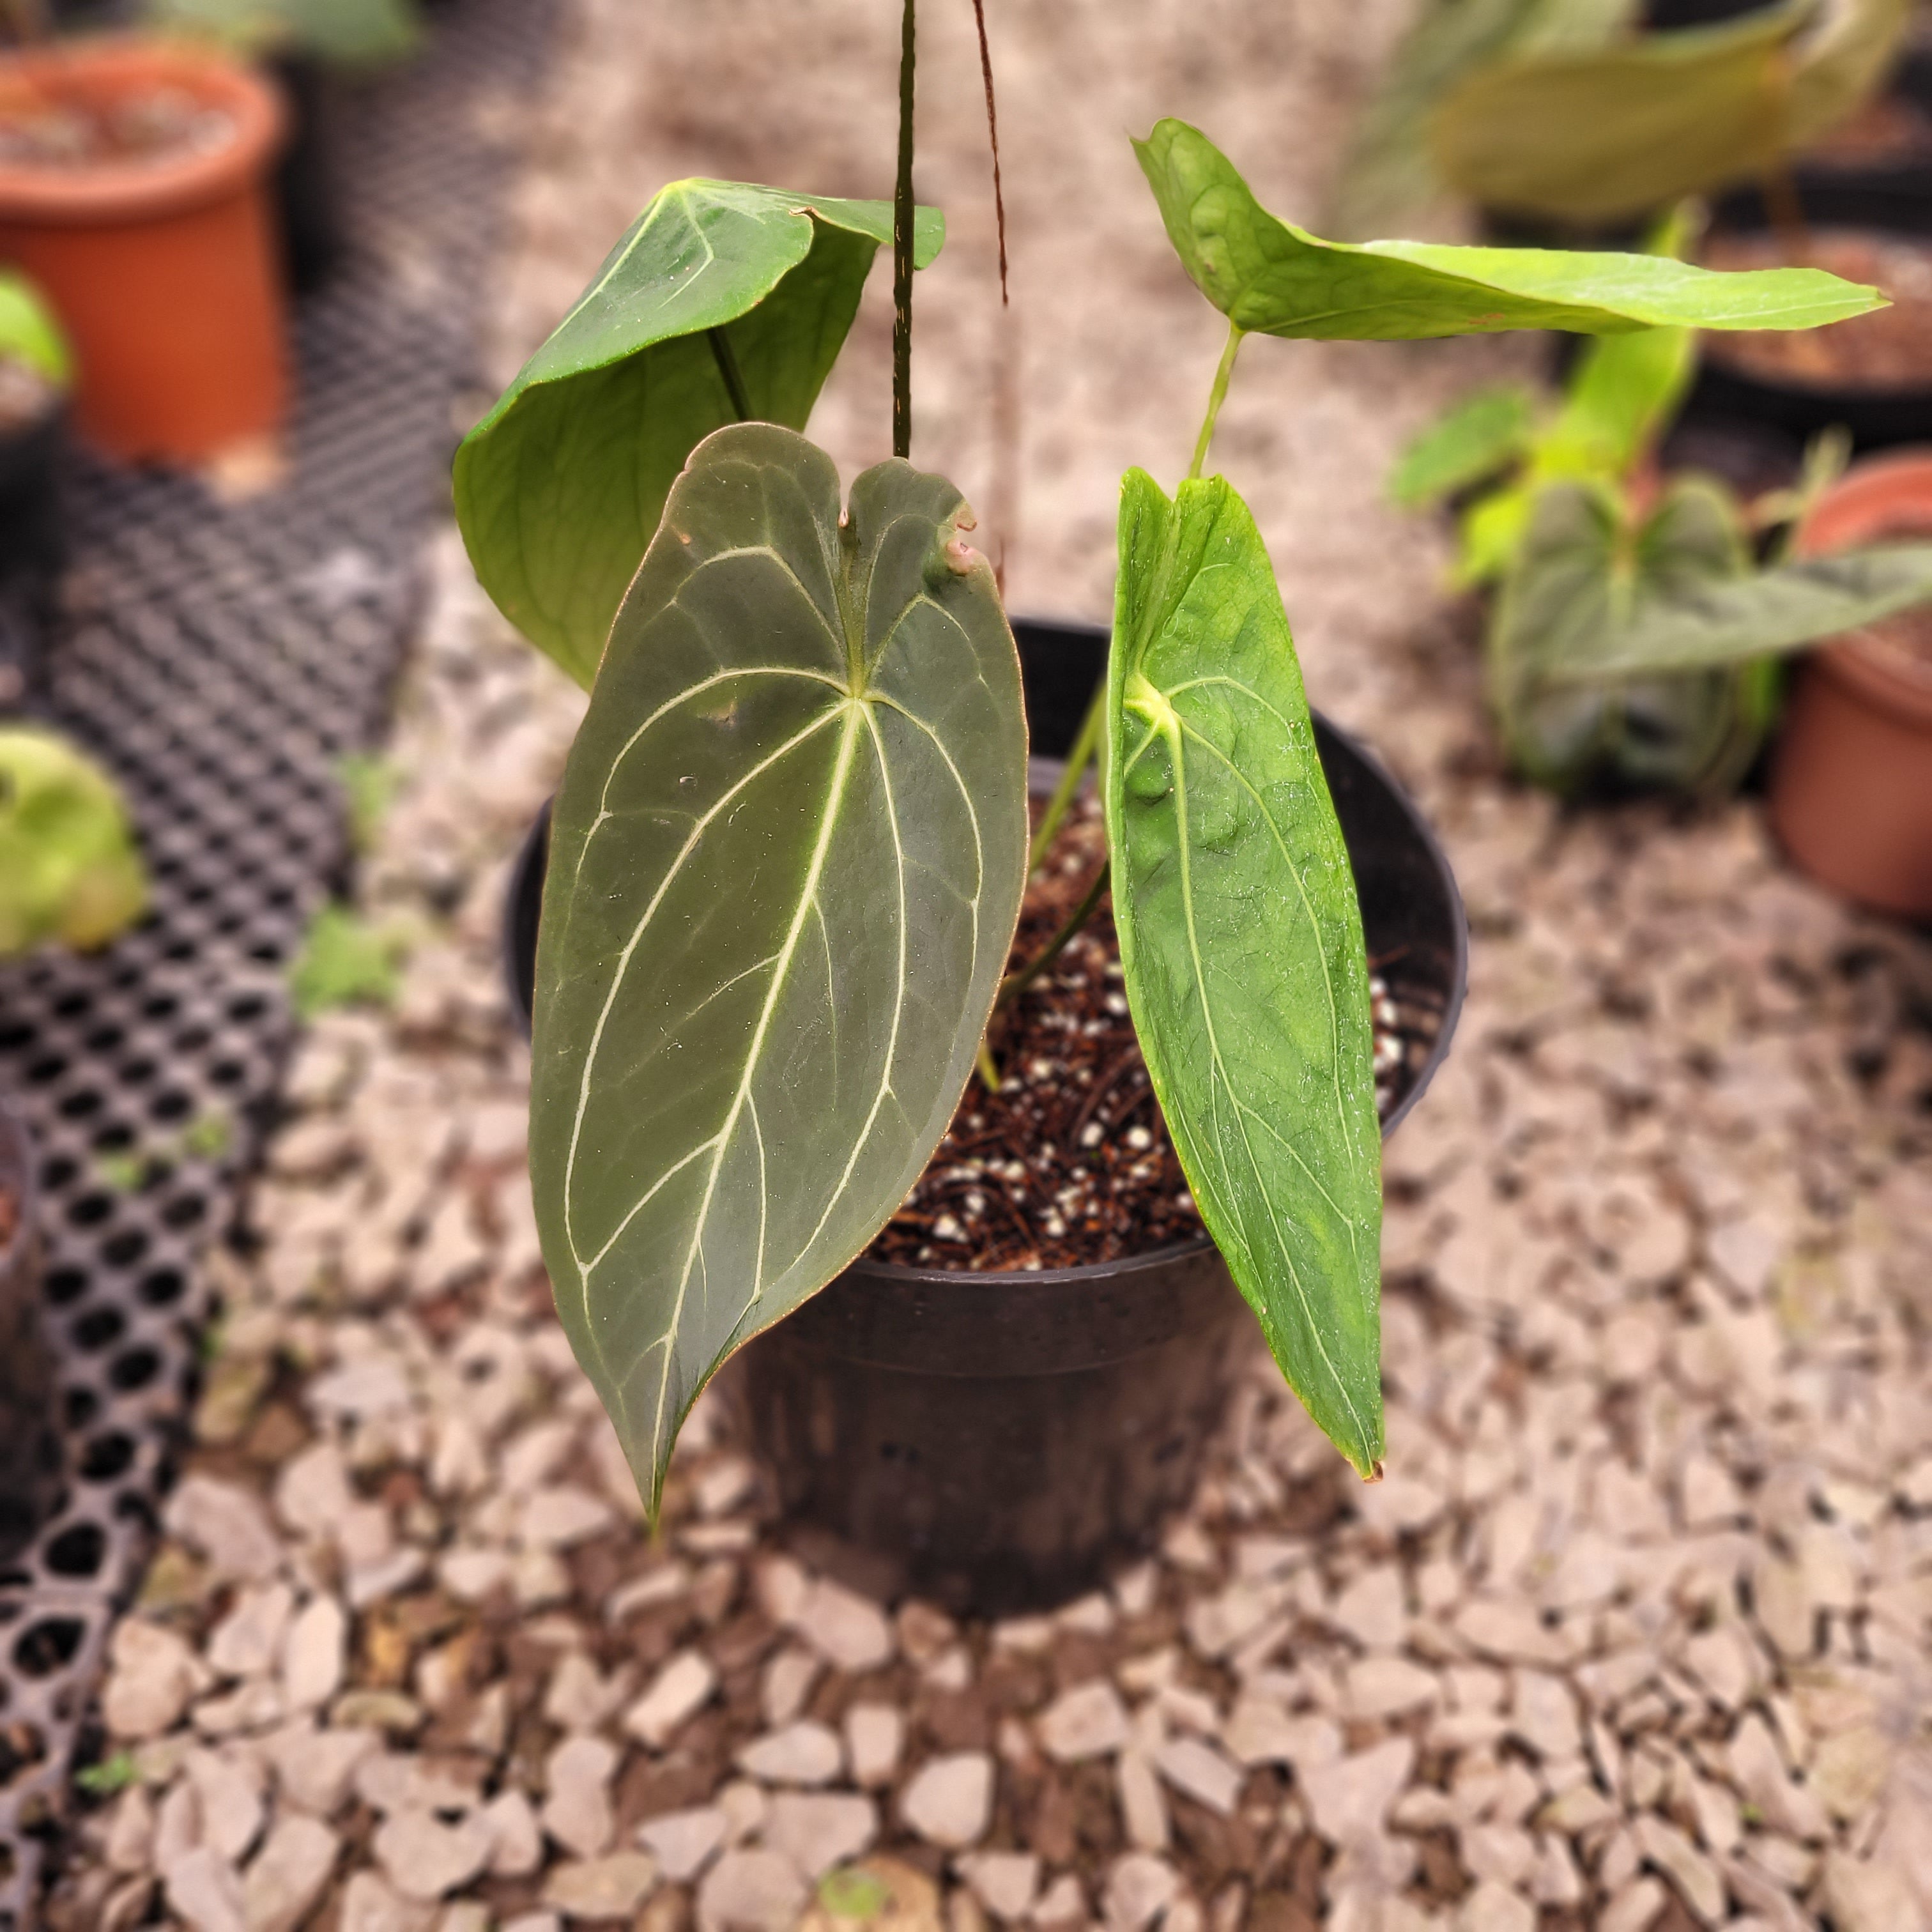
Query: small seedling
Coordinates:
[369,783]
[345,961]
[111,1775]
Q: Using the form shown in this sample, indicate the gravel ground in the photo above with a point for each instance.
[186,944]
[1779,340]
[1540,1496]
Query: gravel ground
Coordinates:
[1634,1634]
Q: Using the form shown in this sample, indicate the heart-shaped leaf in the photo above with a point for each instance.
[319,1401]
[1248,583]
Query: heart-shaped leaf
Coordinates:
[785,868]
[1639,645]
[1600,136]
[1241,941]
[560,488]
[1269,276]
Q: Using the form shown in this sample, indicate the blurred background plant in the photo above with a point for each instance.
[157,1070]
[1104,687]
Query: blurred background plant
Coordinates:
[344,33]
[1637,619]
[70,872]
[1572,111]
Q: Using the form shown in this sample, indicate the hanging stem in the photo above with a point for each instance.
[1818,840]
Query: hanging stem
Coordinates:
[902,240]
[726,358]
[993,136]
[1216,396]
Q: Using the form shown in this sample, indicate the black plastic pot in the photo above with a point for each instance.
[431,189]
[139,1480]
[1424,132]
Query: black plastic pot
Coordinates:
[30,1449]
[308,196]
[33,548]
[1875,417]
[998,1441]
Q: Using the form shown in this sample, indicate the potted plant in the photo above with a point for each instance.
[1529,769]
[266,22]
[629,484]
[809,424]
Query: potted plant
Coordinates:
[1634,625]
[793,838]
[133,180]
[35,371]
[1851,791]
[307,46]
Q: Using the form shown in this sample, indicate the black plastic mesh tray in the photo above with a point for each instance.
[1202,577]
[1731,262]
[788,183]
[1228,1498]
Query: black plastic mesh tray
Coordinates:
[220,659]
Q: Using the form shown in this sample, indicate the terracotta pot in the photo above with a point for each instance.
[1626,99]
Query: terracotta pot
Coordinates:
[162,271]
[1851,793]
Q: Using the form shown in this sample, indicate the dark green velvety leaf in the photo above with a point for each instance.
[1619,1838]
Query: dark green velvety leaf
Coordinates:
[1482,434]
[1705,626]
[1645,652]
[1576,577]
[1267,275]
[560,488]
[1241,941]
[784,871]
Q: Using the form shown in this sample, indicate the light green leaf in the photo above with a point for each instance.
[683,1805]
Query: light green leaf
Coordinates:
[1268,275]
[1241,941]
[1624,389]
[28,333]
[1389,173]
[1481,435]
[784,871]
[69,868]
[1599,136]
[560,488]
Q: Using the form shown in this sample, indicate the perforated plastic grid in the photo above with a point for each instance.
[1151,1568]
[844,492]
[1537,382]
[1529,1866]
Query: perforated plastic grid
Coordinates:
[220,659]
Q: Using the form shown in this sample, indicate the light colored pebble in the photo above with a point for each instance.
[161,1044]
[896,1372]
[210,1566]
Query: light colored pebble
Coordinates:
[949,1801]
[805,1753]
[683,1842]
[577,1811]
[874,1737]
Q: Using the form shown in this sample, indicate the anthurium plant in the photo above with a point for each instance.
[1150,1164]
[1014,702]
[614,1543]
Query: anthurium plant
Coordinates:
[1637,619]
[792,839]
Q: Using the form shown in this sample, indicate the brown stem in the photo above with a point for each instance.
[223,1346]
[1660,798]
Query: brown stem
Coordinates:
[902,242]
[993,135]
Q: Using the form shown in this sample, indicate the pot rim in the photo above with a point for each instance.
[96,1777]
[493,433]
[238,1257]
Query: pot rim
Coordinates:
[1868,502]
[119,191]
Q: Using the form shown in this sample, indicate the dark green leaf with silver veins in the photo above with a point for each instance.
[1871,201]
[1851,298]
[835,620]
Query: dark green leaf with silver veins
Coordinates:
[1268,276]
[560,488]
[1241,941]
[784,872]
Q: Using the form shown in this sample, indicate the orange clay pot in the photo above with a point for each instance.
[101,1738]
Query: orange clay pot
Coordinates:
[1851,792]
[162,268]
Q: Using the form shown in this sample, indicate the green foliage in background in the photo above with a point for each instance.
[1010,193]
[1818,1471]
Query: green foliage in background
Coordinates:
[345,33]
[69,871]
[1563,110]
[29,333]
[345,960]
